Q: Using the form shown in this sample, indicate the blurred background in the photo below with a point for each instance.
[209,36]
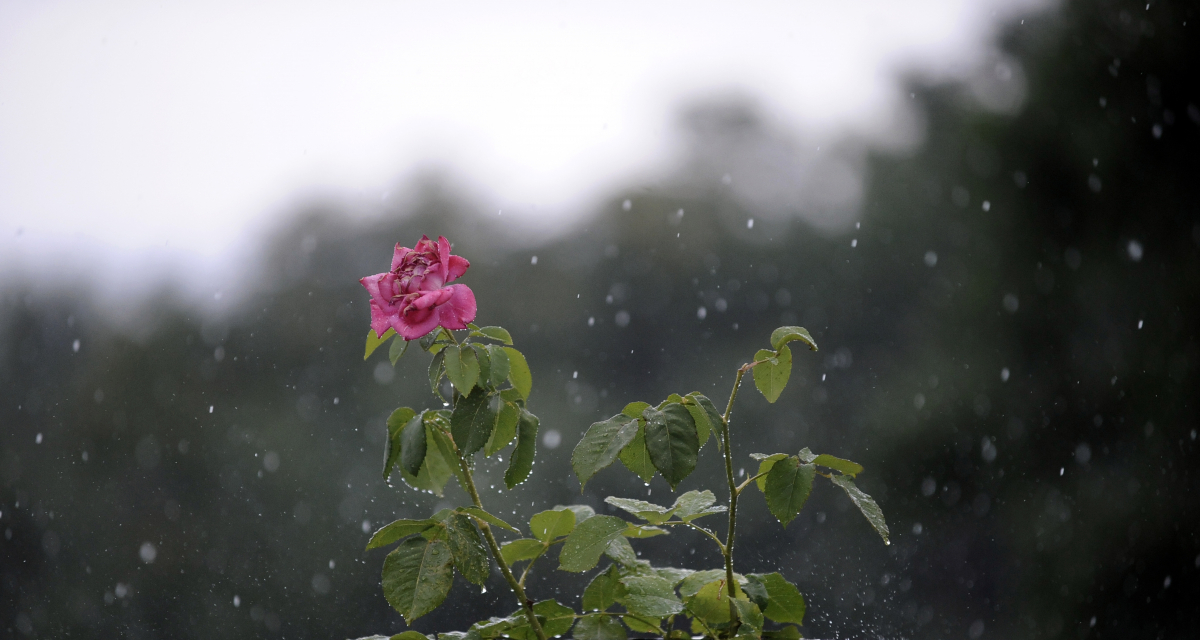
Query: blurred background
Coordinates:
[987,214]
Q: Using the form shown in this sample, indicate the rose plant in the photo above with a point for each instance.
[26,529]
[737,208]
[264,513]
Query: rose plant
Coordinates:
[489,386]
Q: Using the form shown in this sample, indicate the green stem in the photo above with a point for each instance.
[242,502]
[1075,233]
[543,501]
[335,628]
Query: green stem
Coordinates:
[706,532]
[727,551]
[518,590]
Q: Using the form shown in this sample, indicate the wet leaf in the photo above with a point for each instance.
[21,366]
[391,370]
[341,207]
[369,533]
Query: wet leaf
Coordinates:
[506,428]
[636,457]
[462,368]
[412,440]
[784,335]
[472,422]
[375,341]
[599,628]
[788,485]
[648,511]
[395,531]
[601,444]
[498,369]
[395,425]
[650,595]
[772,376]
[548,525]
[518,372]
[866,504]
[417,575]
[436,368]
[520,462]
[671,441]
[603,590]
[696,504]
[466,547]
[838,464]
[583,548]
[554,618]
[522,549]
[495,333]
[764,466]
[784,602]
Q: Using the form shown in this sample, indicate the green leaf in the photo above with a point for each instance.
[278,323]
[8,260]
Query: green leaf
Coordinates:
[587,542]
[485,364]
[520,462]
[788,486]
[599,628]
[784,335]
[622,552]
[650,595]
[506,426]
[412,441]
[480,514]
[838,464]
[771,376]
[398,348]
[582,511]
[436,368]
[716,422]
[643,531]
[548,525]
[462,368]
[410,635]
[635,409]
[495,333]
[426,341]
[497,627]
[375,341]
[554,618]
[518,372]
[865,504]
[499,367]
[446,447]
[764,466]
[703,428]
[674,574]
[603,590]
[784,602]
[395,531]
[710,602]
[647,511]
[472,422]
[749,614]
[636,457]
[395,425]
[671,441]
[601,445]
[696,504]
[788,632]
[522,549]
[692,584]
[756,591]
[417,575]
[466,547]
[640,625]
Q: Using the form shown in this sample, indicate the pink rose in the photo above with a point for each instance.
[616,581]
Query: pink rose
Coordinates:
[416,296]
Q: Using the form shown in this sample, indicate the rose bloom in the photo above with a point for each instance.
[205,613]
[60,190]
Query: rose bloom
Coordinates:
[416,296]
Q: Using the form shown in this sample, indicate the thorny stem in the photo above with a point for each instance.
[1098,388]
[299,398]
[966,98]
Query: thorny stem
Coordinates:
[518,590]
[734,490]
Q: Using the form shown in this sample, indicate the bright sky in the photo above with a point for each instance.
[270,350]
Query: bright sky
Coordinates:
[133,129]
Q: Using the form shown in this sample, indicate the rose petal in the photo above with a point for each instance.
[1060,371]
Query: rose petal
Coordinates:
[398,256]
[457,266]
[381,319]
[372,285]
[459,309]
[416,323]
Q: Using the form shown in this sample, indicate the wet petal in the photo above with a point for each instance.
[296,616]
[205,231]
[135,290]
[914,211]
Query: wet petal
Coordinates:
[398,256]
[416,323]
[457,266]
[459,309]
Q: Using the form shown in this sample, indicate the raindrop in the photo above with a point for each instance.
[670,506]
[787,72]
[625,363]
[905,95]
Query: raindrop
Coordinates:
[931,258]
[534,259]
[210,408]
[918,529]
[237,602]
[1004,374]
[701,313]
[591,321]
[147,552]
[1134,248]
[366,526]
[575,375]
[627,205]
[750,223]
[976,629]
[1140,324]
[271,461]
[1011,303]
[987,205]
[552,438]
[622,319]
[38,439]
[1061,471]
[918,400]
[854,243]
[1083,453]
[332,564]
[75,346]
[336,400]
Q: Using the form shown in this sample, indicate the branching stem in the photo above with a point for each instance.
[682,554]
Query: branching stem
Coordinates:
[516,585]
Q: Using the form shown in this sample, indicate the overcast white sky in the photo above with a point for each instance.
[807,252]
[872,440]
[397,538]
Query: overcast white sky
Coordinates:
[134,130]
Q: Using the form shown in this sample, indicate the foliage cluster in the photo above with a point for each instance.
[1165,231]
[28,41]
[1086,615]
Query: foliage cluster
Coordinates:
[489,383]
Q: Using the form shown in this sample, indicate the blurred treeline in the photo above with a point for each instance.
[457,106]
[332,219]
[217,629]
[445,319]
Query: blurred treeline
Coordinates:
[1019,379]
